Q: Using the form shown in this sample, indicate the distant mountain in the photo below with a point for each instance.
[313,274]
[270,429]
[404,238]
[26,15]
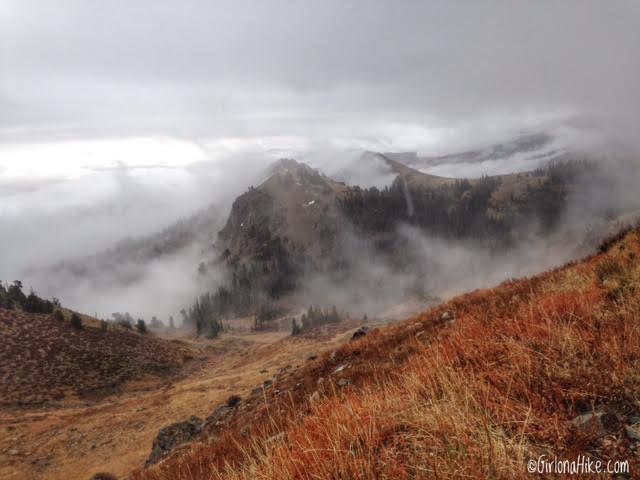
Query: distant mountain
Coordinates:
[524,152]
[535,144]
[125,262]
[302,236]
[295,204]
[300,225]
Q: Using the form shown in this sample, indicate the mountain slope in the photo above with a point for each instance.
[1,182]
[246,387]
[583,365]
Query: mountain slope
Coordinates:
[532,143]
[43,359]
[295,202]
[127,260]
[302,238]
[474,388]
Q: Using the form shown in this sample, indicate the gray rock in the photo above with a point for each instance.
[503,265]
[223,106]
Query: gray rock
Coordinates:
[359,333]
[172,436]
[218,416]
[633,431]
[343,382]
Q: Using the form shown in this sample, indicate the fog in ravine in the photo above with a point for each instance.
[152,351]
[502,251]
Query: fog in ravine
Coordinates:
[119,119]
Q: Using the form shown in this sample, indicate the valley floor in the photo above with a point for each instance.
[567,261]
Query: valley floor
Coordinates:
[78,439]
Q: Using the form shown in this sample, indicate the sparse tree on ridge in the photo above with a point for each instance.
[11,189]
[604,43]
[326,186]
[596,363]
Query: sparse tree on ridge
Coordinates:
[76,321]
[141,326]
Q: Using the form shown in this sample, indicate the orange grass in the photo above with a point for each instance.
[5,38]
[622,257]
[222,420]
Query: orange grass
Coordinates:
[475,399]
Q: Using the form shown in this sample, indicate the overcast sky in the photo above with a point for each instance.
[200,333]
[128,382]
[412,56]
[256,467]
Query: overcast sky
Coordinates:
[114,68]
[119,116]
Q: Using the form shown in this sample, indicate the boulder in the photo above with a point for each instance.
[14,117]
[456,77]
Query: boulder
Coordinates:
[359,333]
[170,437]
[219,416]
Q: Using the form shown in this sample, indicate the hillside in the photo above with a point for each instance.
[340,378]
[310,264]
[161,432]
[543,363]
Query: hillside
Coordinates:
[475,388]
[74,438]
[45,360]
[302,238]
[126,261]
[295,202]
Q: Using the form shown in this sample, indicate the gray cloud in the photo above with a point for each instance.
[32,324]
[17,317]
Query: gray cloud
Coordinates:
[323,79]
[255,68]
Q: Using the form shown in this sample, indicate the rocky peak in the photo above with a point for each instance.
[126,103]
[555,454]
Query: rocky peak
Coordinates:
[295,202]
[287,174]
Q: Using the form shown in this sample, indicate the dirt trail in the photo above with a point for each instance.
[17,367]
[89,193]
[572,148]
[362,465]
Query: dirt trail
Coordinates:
[115,434]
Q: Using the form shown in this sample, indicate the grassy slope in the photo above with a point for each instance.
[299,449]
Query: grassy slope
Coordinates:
[43,359]
[475,398]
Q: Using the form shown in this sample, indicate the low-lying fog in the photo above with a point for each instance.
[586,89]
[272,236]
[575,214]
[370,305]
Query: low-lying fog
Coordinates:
[136,188]
[119,120]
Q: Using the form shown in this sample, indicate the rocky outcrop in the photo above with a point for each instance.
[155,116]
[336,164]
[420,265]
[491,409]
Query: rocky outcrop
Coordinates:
[172,436]
[359,333]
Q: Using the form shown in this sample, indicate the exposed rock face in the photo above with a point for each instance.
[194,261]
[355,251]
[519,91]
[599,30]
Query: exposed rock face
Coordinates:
[219,416]
[177,434]
[296,208]
[170,437]
[276,232]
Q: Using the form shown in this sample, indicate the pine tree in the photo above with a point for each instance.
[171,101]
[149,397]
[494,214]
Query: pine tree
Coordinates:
[295,328]
[76,321]
[141,326]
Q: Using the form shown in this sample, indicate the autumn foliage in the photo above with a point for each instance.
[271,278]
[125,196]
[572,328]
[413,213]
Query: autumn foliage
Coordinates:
[471,389]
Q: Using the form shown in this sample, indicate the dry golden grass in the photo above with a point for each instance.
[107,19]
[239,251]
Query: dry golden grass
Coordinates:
[472,399]
[76,438]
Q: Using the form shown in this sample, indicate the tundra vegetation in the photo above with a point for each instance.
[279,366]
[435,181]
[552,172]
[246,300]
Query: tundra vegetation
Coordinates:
[473,388]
